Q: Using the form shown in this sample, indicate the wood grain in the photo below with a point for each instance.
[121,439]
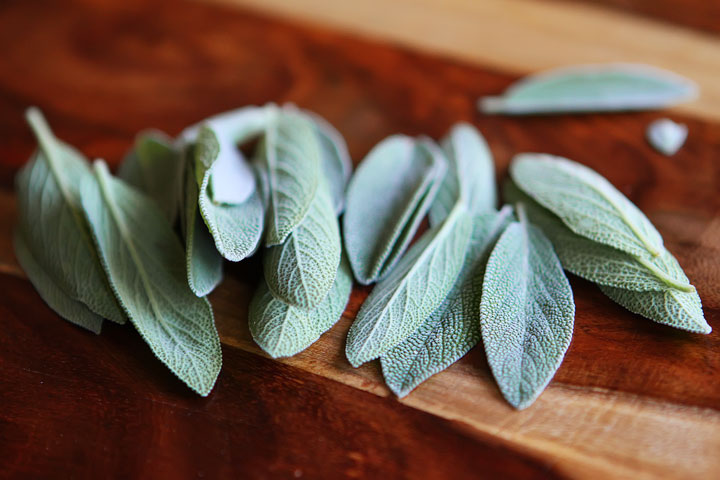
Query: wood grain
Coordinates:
[522,36]
[633,399]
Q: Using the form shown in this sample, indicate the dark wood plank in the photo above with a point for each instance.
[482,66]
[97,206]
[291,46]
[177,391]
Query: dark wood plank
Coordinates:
[103,407]
[701,15]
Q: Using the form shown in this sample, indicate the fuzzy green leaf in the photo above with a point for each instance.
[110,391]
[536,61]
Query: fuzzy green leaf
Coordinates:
[291,154]
[677,309]
[388,196]
[144,262]
[593,88]
[282,330]
[400,303]
[155,167]
[236,229]
[302,270]
[232,181]
[51,221]
[68,308]
[466,151]
[454,327]
[586,202]
[600,263]
[202,260]
[527,313]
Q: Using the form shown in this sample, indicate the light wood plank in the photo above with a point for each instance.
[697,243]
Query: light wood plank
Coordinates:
[521,36]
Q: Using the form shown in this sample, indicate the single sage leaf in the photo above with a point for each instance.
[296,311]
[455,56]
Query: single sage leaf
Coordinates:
[144,262]
[454,327]
[291,154]
[232,182]
[202,260]
[387,198]
[586,202]
[671,307]
[282,330]
[527,312]
[301,271]
[399,304]
[666,136]
[70,309]
[53,225]
[236,229]
[155,167]
[334,157]
[600,263]
[593,88]
[466,150]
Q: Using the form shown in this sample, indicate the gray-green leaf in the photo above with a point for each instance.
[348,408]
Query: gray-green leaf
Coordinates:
[155,167]
[527,313]
[144,262]
[593,88]
[466,151]
[232,181]
[600,263]
[202,260]
[282,330]
[586,202]
[388,196]
[400,303]
[291,154]
[71,310]
[671,307]
[302,270]
[237,229]
[51,221]
[454,327]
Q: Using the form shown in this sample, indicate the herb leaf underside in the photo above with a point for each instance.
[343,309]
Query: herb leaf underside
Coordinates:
[282,330]
[399,304]
[144,262]
[236,229]
[527,313]
[454,327]
[302,270]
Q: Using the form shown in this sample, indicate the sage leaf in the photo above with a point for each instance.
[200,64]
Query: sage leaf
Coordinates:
[399,304]
[291,154]
[155,167]
[454,327]
[600,263]
[666,136]
[202,260]
[302,270]
[527,312]
[593,88]
[586,202]
[232,182]
[71,310]
[387,198]
[671,307]
[144,262]
[467,151]
[657,289]
[52,222]
[335,160]
[237,229]
[282,330]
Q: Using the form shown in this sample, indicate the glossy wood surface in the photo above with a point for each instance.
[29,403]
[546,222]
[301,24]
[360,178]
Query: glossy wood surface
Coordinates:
[633,399]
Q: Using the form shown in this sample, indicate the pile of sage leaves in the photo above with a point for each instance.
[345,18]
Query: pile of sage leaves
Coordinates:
[148,246]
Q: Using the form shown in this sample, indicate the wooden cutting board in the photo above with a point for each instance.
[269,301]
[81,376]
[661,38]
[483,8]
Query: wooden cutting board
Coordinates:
[633,399]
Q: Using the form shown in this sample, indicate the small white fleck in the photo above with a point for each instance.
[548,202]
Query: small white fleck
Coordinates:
[666,136]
